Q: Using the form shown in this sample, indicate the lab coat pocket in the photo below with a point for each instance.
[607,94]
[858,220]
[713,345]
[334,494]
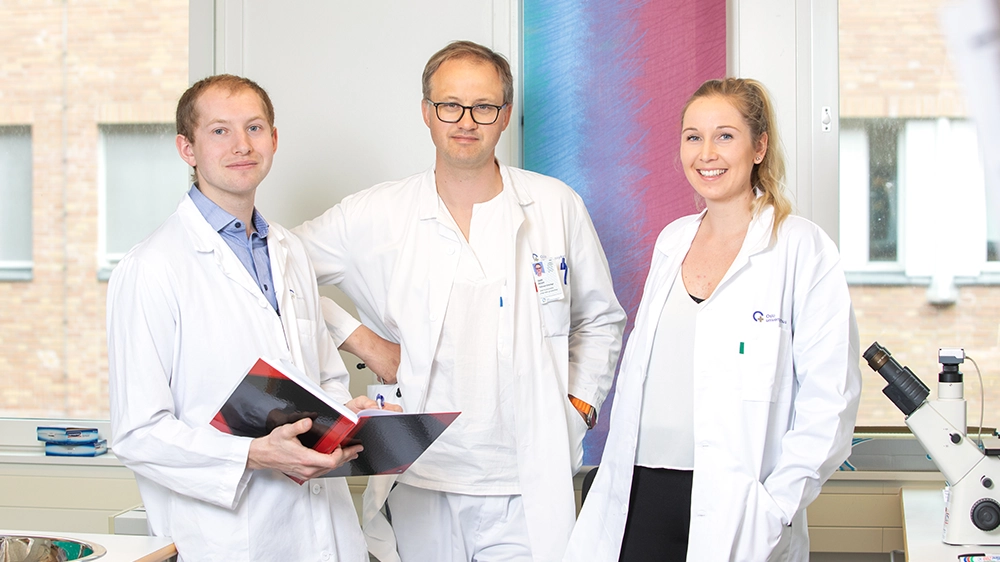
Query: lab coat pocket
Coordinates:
[307,328]
[763,535]
[555,318]
[763,356]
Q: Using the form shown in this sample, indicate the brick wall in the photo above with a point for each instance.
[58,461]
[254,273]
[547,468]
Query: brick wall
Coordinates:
[893,61]
[900,319]
[67,67]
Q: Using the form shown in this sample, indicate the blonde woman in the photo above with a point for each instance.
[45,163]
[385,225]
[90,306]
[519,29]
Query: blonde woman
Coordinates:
[739,387]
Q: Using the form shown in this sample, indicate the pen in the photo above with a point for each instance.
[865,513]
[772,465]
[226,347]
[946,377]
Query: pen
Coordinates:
[380,400]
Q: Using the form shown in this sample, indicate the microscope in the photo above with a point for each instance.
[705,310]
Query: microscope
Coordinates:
[972,503]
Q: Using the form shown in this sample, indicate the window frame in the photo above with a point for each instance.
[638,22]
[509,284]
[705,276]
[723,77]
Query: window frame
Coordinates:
[22,270]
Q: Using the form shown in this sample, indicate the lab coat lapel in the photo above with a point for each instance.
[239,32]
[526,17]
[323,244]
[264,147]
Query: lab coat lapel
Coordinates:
[207,240]
[440,266]
[757,239]
[521,247]
[659,285]
[279,256]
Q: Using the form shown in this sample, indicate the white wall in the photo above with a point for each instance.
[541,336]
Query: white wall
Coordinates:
[791,47]
[345,81]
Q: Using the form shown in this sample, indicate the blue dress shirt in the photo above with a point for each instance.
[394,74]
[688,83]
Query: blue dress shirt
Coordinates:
[252,251]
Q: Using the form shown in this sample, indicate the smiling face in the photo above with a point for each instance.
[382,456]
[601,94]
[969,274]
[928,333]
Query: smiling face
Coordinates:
[466,144]
[718,151]
[233,144]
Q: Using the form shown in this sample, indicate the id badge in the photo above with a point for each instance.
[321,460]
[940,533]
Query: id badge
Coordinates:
[549,277]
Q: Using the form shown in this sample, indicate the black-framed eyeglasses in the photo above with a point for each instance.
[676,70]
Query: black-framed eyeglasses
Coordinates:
[482,113]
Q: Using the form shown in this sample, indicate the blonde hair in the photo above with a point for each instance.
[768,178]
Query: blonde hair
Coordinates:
[751,99]
[476,52]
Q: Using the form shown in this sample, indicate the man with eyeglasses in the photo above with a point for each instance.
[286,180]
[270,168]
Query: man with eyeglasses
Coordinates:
[443,262]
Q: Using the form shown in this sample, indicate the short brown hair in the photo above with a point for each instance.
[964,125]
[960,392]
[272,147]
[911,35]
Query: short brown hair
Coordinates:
[187,113]
[475,51]
[751,100]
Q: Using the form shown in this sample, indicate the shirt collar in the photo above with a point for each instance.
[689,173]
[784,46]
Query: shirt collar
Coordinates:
[218,218]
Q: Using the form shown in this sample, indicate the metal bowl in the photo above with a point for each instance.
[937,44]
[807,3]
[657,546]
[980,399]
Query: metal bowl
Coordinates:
[36,548]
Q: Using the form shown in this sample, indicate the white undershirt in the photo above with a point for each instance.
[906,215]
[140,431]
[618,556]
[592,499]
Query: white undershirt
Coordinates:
[666,425]
[477,454]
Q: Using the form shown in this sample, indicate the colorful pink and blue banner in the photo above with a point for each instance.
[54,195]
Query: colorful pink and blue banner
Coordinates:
[604,85]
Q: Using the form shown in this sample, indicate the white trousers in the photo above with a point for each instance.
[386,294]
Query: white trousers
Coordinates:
[447,527]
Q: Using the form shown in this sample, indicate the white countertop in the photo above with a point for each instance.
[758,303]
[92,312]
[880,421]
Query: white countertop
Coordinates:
[121,548]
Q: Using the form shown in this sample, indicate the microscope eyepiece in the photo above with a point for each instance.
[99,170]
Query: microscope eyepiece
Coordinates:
[876,355]
[905,389]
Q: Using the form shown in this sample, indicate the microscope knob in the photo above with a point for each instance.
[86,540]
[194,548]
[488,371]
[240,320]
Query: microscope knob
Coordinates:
[956,438]
[987,482]
[986,514]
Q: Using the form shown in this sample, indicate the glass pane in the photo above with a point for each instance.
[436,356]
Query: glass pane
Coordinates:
[15,192]
[883,197]
[144,180]
[70,68]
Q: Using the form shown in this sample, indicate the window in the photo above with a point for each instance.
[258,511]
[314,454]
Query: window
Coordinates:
[15,212]
[142,179]
[73,72]
[869,158]
[913,202]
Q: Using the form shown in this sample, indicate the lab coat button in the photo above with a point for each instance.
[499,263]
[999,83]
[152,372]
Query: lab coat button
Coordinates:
[625,509]
[317,488]
[326,555]
[433,317]
[450,250]
[262,302]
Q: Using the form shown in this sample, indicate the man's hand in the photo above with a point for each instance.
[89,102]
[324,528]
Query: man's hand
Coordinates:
[380,355]
[365,403]
[281,450]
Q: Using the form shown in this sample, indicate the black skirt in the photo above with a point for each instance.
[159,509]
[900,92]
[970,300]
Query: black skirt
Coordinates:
[659,516]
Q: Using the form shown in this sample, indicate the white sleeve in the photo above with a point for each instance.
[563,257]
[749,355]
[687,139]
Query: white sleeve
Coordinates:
[325,241]
[201,463]
[826,363]
[339,322]
[596,317]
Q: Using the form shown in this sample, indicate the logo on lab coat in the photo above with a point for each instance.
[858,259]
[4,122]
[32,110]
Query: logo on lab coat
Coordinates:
[759,316]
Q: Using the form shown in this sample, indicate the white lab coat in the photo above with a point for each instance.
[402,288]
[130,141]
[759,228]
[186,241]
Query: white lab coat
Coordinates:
[385,248]
[775,399]
[185,322]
